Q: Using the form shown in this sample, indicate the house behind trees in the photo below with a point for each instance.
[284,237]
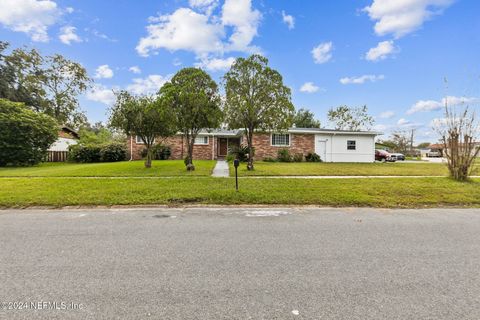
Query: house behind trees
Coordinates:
[330,145]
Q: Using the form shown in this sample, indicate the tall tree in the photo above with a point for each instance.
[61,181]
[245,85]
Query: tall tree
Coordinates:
[256,98]
[20,77]
[195,100]
[304,118]
[64,81]
[401,138]
[47,84]
[353,119]
[146,117]
[459,134]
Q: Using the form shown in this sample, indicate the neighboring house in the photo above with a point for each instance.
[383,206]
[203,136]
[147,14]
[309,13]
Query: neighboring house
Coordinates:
[330,145]
[439,148]
[58,150]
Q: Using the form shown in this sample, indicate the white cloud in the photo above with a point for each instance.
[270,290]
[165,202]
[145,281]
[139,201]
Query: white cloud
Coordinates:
[403,122]
[182,30]
[69,10]
[100,35]
[387,115]
[177,62]
[244,20]
[289,20]
[309,87]
[100,93]
[148,85]
[206,6]
[434,105]
[32,17]
[362,79]
[323,52]
[135,69]
[68,35]
[408,124]
[216,64]
[400,17]
[103,72]
[381,51]
[380,127]
[139,86]
[186,29]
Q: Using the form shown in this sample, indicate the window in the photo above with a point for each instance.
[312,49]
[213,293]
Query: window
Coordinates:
[139,140]
[201,140]
[280,140]
[351,145]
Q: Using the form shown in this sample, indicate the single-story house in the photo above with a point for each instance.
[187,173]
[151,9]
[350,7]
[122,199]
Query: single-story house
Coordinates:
[440,148]
[330,145]
[58,150]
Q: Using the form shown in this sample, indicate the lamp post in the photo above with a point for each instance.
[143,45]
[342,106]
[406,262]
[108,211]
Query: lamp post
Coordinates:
[236,163]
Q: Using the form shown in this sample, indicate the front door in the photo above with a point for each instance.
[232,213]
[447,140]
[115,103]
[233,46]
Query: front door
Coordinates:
[222,147]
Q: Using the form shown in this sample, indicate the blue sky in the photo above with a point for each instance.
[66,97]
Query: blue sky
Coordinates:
[392,55]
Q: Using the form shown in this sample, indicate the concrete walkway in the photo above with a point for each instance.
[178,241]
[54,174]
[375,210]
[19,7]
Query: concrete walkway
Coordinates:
[221,169]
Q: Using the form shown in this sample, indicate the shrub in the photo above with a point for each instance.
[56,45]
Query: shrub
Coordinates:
[113,152]
[85,154]
[230,157]
[25,135]
[160,152]
[283,155]
[313,157]
[269,159]
[298,157]
[240,152]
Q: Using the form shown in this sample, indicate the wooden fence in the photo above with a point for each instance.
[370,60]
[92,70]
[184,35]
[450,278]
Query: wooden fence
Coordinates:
[57,156]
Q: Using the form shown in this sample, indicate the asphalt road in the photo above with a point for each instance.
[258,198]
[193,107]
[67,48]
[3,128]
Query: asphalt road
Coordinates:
[240,264]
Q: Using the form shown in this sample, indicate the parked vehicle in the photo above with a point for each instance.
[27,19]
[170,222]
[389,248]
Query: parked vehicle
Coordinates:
[434,154]
[383,156]
[398,156]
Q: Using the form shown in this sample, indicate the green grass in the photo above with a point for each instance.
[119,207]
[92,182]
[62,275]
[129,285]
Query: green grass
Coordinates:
[342,169]
[166,168]
[388,193]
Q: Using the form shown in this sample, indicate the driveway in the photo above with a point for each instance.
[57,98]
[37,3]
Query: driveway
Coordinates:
[248,263]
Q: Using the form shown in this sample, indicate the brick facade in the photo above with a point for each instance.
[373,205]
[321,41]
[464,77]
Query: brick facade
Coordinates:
[299,143]
[178,148]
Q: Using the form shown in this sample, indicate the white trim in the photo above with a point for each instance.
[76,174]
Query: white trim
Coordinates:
[201,144]
[281,145]
[335,132]
[137,141]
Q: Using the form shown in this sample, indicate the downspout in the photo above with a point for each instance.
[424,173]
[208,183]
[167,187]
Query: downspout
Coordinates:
[331,147]
[213,146]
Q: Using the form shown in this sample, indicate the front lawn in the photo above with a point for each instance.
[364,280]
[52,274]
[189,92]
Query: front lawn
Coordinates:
[388,193]
[164,168]
[342,169]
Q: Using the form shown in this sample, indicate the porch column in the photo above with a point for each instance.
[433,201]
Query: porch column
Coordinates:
[213,148]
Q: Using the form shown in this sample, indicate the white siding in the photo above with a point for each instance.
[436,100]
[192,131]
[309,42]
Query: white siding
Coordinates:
[62,144]
[336,147]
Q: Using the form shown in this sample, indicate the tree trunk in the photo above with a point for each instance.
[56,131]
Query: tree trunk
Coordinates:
[250,149]
[148,160]
[190,166]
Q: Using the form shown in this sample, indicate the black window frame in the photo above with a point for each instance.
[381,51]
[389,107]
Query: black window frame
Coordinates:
[351,146]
